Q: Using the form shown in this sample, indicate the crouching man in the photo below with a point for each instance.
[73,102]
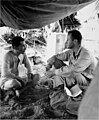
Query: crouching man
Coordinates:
[81,63]
[10,78]
[76,76]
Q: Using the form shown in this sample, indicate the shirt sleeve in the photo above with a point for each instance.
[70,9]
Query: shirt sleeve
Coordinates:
[62,56]
[27,63]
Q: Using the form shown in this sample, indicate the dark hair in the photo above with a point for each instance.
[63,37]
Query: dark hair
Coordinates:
[76,35]
[16,41]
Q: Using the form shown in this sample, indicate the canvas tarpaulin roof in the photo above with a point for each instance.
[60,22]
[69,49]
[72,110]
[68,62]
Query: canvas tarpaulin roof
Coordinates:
[29,14]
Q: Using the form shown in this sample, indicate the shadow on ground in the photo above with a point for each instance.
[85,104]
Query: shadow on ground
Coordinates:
[32,104]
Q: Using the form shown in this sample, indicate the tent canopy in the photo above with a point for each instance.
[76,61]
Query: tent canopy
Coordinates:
[30,14]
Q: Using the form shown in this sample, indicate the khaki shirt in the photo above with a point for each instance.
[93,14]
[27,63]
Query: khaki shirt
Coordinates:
[82,62]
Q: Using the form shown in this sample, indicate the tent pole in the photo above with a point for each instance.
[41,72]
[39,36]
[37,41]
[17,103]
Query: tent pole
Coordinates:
[62,25]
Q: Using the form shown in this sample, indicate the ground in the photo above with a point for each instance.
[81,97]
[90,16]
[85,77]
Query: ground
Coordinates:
[33,103]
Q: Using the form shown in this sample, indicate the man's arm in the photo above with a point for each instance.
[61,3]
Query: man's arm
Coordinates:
[62,56]
[27,63]
[81,64]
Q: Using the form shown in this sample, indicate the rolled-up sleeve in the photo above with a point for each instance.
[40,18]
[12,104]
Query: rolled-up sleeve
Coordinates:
[51,60]
[62,56]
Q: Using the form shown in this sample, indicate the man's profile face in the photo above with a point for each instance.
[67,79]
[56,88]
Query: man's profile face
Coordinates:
[22,47]
[69,42]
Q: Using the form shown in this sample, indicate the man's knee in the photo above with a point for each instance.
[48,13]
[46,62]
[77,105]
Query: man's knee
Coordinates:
[80,79]
[70,81]
[57,80]
[12,83]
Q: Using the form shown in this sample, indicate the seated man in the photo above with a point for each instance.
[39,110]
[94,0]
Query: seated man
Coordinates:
[81,64]
[10,78]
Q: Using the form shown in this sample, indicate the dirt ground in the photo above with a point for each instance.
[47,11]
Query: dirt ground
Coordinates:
[33,103]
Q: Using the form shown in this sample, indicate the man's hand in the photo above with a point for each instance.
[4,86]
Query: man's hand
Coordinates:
[50,62]
[59,63]
[33,79]
[25,80]
[49,74]
[30,76]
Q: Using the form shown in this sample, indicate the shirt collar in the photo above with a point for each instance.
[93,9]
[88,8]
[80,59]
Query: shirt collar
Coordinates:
[78,51]
[77,54]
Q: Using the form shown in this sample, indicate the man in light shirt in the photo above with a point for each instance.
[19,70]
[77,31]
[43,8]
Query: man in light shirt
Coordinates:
[10,78]
[81,64]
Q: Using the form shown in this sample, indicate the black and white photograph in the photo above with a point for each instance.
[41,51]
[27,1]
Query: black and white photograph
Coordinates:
[49,59]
